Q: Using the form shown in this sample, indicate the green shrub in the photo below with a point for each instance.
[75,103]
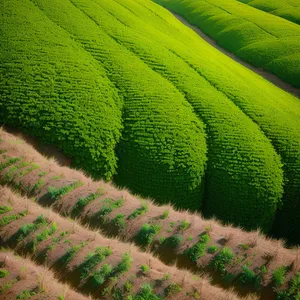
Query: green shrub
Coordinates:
[163,150]
[27,229]
[164,215]
[279,275]
[147,233]
[56,193]
[145,269]
[7,285]
[101,253]
[247,276]
[44,235]
[119,221]
[249,34]
[166,277]
[174,240]
[100,276]
[83,202]
[5,209]
[146,292]
[293,290]
[184,225]
[123,266]
[198,250]
[65,259]
[3,273]
[26,294]
[139,211]
[244,246]
[173,289]
[108,207]
[221,260]
[8,163]
[8,219]
[212,249]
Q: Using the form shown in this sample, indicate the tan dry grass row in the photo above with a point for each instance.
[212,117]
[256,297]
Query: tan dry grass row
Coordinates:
[187,281]
[31,277]
[260,248]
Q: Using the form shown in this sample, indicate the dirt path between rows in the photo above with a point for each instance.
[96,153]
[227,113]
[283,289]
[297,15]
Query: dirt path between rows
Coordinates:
[268,76]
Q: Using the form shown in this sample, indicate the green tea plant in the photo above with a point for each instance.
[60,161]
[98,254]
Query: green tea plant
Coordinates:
[278,276]
[221,260]
[3,273]
[56,193]
[199,249]
[5,209]
[147,233]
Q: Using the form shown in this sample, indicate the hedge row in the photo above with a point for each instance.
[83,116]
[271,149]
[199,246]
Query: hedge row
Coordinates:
[193,124]
[54,90]
[249,33]
[261,101]
[289,10]
[232,160]
[162,152]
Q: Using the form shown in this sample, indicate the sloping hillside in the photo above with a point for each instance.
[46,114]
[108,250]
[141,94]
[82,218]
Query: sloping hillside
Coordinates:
[134,96]
[262,39]
[287,9]
[247,262]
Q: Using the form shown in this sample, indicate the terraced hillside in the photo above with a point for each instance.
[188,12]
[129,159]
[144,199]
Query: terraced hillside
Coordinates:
[264,40]
[22,279]
[121,88]
[246,261]
[91,264]
[287,9]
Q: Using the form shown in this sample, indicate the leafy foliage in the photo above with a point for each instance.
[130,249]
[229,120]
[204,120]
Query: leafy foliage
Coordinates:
[222,259]
[199,249]
[147,233]
[278,276]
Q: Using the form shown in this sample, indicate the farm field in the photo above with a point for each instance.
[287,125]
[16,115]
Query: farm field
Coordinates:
[79,258]
[172,236]
[210,136]
[288,9]
[149,150]
[259,38]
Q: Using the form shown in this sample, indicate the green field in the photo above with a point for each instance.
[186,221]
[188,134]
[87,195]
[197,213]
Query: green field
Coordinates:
[257,37]
[134,96]
[287,9]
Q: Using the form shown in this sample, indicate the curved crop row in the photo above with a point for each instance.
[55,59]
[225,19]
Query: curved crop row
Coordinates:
[288,9]
[229,168]
[67,101]
[279,120]
[22,279]
[232,159]
[194,126]
[174,236]
[103,268]
[257,37]
[162,152]
[242,167]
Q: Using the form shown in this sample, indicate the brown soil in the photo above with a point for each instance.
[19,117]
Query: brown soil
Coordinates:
[29,276]
[71,273]
[268,76]
[258,248]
